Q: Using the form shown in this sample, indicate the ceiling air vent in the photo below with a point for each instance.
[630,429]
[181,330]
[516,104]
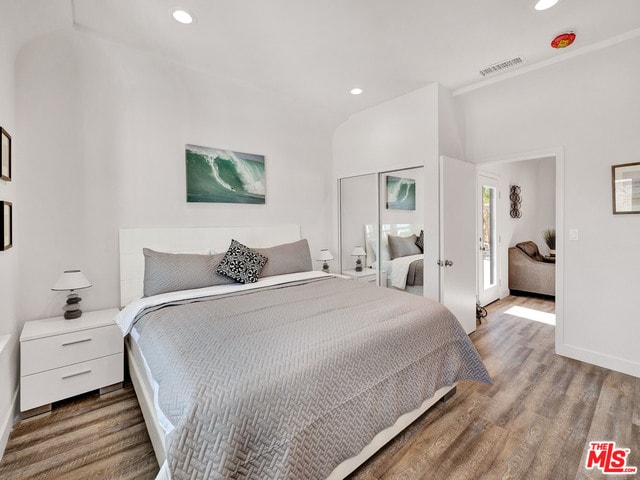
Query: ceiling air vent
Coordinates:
[500,66]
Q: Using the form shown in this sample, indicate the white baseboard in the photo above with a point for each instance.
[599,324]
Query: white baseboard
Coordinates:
[8,401]
[7,423]
[599,359]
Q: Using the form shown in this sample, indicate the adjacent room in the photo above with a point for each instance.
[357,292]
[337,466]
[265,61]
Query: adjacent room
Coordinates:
[291,240]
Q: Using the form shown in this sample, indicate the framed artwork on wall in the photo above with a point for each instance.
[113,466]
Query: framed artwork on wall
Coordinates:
[6,225]
[224,176]
[401,193]
[625,180]
[5,155]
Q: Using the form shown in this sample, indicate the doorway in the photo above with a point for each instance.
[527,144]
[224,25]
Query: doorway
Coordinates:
[498,230]
[488,237]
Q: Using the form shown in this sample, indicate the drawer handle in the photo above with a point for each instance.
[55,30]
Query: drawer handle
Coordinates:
[77,341]
[76,374]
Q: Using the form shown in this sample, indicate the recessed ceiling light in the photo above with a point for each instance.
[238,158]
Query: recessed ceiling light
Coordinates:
[356,91]
[544,4]
[182,16]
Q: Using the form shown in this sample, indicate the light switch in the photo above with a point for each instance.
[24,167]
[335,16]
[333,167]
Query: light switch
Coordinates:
[573,234]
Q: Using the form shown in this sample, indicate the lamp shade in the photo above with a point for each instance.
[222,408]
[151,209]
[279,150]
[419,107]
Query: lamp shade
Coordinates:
[325,255]
[358,252]
[71,280]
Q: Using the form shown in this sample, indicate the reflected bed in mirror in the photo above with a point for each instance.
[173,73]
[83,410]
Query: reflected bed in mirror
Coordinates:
[401,255]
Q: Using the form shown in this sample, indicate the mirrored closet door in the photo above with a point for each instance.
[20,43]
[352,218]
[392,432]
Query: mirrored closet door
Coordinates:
[358,209]
[381,219]
[401,210]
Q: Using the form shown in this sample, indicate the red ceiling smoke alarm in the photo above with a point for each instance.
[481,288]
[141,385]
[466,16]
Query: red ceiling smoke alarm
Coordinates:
[563,40]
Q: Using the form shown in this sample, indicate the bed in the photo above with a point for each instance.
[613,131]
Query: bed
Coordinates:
[400,255]
[298,375]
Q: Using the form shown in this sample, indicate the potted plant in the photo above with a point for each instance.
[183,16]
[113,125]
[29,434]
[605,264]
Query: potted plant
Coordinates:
[549,236]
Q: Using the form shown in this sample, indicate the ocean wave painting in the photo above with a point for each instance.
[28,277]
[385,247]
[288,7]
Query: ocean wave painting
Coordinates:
[401,193]
[224,176]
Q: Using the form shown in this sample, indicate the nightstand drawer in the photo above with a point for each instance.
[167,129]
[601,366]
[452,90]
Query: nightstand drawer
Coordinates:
[53,385]
[48,353]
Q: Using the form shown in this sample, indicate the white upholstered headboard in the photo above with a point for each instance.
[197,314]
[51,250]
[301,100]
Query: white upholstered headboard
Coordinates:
[188,239]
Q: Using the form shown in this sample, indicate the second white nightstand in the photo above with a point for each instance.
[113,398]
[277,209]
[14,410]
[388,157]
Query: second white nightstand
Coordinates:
[61,358]
[367,275]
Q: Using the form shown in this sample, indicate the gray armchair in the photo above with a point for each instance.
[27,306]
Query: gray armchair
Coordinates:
[528,272]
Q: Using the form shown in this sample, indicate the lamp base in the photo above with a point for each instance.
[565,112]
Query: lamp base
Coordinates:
[325,267]
[71,314]
[358,265]
[72,308]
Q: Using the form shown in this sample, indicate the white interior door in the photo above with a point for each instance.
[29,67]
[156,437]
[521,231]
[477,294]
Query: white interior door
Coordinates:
[458,240]
[488,240]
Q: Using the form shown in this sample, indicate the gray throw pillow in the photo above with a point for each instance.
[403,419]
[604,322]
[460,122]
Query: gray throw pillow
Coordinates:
[286,258]
[241,263]
[170,272]
[403,246]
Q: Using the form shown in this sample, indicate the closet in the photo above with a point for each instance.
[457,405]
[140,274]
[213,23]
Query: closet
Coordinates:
[445,211]
[381,217]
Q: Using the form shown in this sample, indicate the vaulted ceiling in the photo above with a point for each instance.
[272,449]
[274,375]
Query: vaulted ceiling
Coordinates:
[318,50]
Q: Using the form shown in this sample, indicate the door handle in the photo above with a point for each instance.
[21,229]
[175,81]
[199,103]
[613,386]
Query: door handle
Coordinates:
[448,263]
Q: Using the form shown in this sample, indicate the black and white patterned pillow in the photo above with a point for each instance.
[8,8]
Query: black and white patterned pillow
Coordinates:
[241,263]
[420,241]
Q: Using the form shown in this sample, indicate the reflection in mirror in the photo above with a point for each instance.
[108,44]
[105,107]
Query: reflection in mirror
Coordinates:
[358,207]
[383,213]
[401,221]
[401,258]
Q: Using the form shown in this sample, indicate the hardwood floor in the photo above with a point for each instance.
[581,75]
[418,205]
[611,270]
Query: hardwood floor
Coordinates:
[88,437]
[534,422]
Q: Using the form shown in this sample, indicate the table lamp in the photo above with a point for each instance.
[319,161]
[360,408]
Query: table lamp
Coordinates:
[358,252]
[71,280]
[325,256]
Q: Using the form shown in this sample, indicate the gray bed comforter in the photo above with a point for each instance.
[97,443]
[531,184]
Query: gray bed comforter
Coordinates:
[287,382]
[415,274]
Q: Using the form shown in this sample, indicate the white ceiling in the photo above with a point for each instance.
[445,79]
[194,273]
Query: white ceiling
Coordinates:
[24,20]
[317,50]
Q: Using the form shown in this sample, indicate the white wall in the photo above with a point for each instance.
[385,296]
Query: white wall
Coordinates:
[451,126]
[590,106]
[9,328]
[399,133]
[537,181]
[107,128]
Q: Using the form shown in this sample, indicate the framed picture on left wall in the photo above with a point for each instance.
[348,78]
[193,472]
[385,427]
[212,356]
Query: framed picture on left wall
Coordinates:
[6,225]
[5,155]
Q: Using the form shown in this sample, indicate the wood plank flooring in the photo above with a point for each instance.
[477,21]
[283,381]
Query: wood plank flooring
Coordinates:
[534,422]
[87,437]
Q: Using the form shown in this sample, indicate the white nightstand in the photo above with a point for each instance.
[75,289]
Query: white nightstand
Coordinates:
[61,358]
[367,275]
